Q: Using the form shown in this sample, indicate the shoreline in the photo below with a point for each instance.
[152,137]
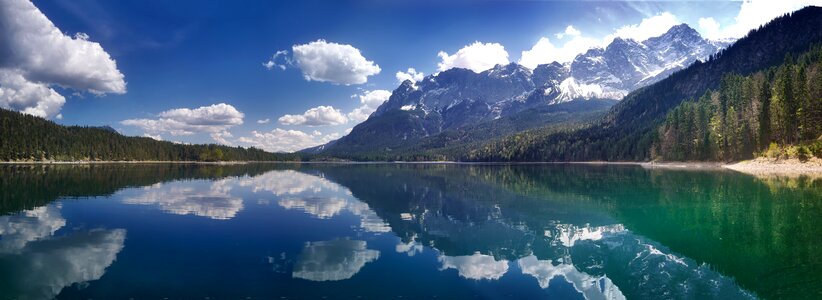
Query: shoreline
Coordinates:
[758,166]
[115,162]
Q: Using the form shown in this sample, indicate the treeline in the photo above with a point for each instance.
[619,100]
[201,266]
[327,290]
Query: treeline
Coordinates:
[776,112]
[29,138]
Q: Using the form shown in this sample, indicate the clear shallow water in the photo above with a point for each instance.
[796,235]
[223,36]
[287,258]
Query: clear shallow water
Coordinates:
[412,231]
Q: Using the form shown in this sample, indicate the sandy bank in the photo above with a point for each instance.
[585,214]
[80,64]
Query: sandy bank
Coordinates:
[787,167]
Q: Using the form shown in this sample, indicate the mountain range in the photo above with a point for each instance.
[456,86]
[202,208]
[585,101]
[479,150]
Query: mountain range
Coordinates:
[458,98]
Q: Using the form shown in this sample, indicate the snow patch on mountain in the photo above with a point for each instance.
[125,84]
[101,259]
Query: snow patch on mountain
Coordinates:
[570,89]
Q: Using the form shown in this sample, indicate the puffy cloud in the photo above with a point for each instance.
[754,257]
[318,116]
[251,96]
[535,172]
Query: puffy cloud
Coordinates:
[544,51]
[569,31]
[476,266]
[215,118]
[279,140]
[30,42]
[374,98]
[333,260]
[36,99]
[280,60]
[360,114]
[221,137]
[35,54]
[369,102]
[477,57]
[411,74]
[709,27]
[331,62]
[647,28]
[755,13]
[263,121]
[317,116]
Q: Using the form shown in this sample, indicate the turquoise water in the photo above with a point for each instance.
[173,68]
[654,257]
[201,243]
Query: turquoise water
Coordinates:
[390,231]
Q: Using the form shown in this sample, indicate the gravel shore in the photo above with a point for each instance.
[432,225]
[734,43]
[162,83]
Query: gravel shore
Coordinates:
[789,167]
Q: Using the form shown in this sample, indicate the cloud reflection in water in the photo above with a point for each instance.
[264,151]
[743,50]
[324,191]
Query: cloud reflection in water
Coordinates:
[182,198]
[333,260]
[35,264]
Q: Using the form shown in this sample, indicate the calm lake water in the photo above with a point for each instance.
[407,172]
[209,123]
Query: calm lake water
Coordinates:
[390,231]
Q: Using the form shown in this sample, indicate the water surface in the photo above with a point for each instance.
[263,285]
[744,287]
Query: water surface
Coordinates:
[383,231]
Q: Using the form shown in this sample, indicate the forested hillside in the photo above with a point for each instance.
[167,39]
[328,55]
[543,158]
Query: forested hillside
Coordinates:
[629,132]
[29,138]
[757,114]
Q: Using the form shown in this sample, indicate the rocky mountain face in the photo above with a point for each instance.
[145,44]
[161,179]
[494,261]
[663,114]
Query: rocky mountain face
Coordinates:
[459,97]
[626,65]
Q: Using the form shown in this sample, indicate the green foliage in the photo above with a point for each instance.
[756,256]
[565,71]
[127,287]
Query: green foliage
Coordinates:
[211,154]
[740,125]
[28,138]
[803,153]
[773,151]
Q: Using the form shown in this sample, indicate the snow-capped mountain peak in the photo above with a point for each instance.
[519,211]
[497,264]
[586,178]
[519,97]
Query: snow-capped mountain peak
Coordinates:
[457,97]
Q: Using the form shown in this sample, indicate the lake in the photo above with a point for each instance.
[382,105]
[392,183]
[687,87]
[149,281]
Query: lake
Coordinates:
[405,231]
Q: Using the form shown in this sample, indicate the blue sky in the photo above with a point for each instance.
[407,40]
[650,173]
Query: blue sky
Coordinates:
[192,54]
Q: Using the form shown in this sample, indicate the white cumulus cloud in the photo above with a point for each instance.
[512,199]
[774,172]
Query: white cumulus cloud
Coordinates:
[754,13]
[569,31]
[222,137]
[410,74]
[214,119]
[331,62]
[709,27]
[369,102]
[36,99]
[544,51]
[649,27]
[317,116]
[263,121]
[35,54]
[280,140]
[477,57]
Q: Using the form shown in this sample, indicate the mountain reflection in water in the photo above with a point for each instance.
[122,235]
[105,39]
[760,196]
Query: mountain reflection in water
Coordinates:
[455,231]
